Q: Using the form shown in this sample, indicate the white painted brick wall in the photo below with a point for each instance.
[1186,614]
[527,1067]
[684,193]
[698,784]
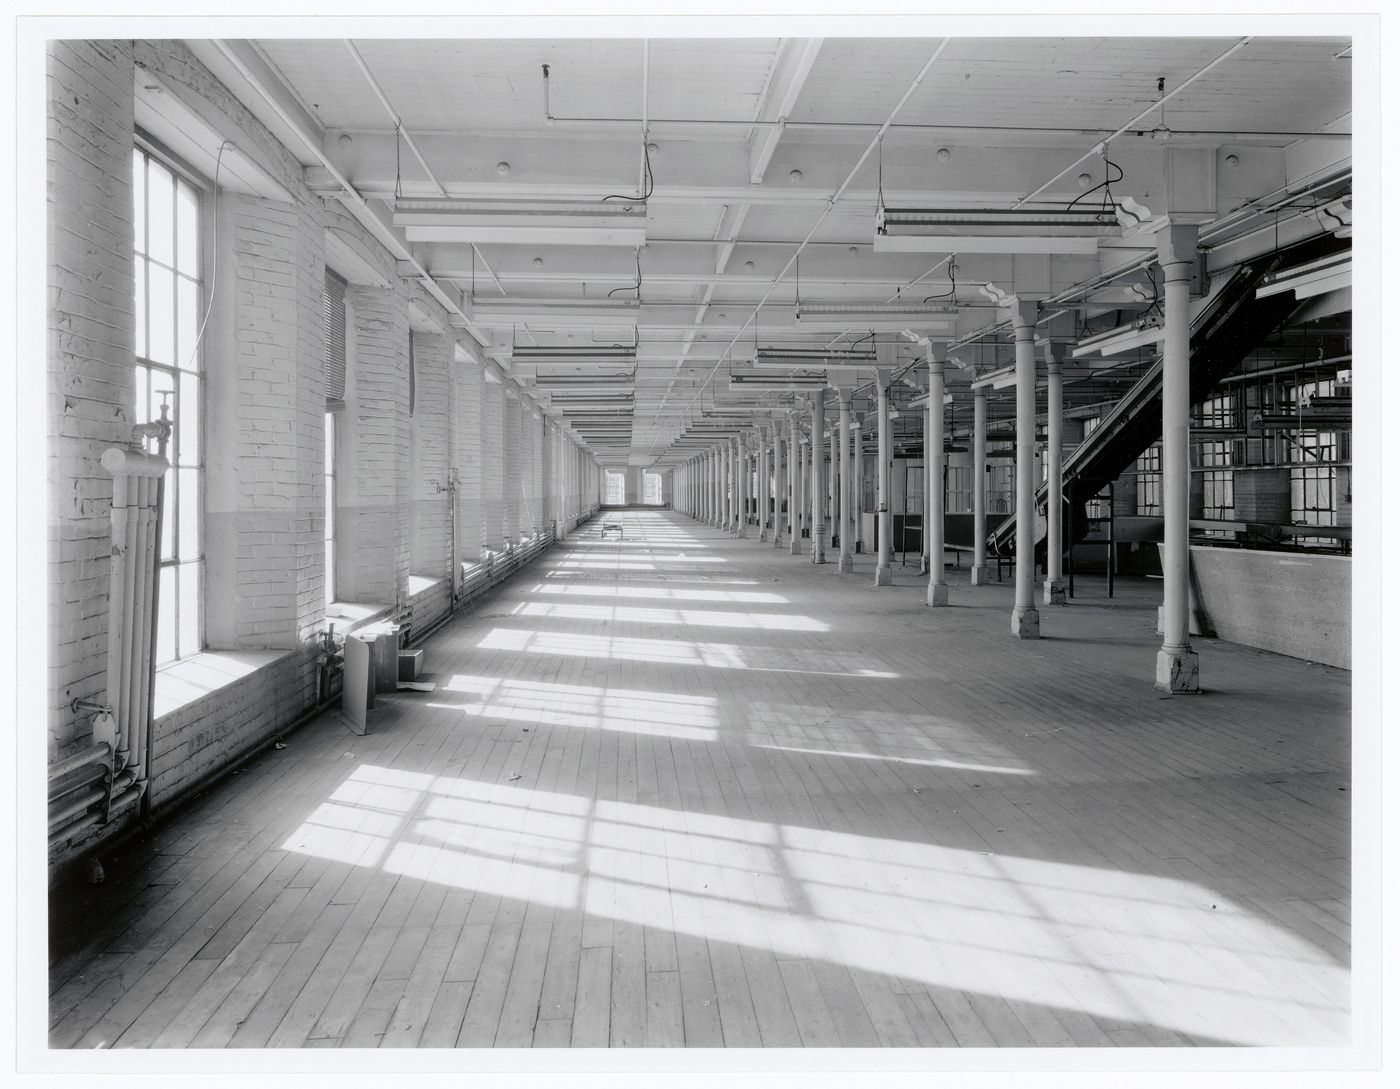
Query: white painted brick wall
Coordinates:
[493,457]
[265,403]
[514,469]
[375,521]
[265,395]
[91,344]
[467,393]
[432,421]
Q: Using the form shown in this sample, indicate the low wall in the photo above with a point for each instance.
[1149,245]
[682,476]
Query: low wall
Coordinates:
[1287,602]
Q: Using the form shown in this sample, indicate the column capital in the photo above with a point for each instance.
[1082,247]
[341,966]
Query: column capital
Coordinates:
[1024,313]
[1176,246]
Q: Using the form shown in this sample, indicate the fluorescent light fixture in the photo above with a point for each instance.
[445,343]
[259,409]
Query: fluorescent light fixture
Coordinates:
[813,357]
[536,222]
[878,317]
[619,383]
[1000,378]
[1042,229]
[1314,278]
[565,354]
[751,381]
[1146,330]
[921,401]
[579,313]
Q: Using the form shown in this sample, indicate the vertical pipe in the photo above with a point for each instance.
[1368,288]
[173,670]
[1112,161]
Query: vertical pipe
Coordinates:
[884,576]
[933,468]
[833,471]
[716,507]
[741,497]
[798,461]
[1025,619]
[1111,560]
[845,561]
[1178,666]
[119,606]
[1054,473]
[761,484]
[978,575]
[858,484]
[779,485]
[1069,550]
[795,485]
[134,585]
[148,674]
[818,476]
[141,625]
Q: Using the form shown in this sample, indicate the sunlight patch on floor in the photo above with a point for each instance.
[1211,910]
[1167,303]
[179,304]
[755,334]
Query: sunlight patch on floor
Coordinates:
[682,652]
[1129,946]
[665,593]
[662,714]
[702,618]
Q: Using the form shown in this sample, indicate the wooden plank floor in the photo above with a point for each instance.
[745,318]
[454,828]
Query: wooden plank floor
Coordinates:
[686,790]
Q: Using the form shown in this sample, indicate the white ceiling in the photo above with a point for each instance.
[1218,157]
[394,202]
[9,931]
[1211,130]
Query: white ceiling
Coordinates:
[732,201]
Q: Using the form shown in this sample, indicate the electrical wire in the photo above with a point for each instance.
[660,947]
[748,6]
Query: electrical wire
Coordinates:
[637,287]
[1106,185]
[952,292]
[214,264]
[398,165]
[650,178]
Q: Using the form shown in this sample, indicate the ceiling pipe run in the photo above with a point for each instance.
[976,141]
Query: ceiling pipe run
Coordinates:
[348,194]
[1103,144]
[830,204]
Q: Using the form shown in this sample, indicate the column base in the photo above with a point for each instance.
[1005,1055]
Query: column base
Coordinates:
[1178,670]
[884,576]
[923,565]
[795,548]
[777,538]
[818,553]
[937,593]
[763,535]
[977,575]
[1025,622]
[845,565]
[1055,592]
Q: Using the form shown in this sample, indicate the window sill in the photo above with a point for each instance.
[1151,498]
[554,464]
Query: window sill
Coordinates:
[420,584]
[193,678]
[349,615]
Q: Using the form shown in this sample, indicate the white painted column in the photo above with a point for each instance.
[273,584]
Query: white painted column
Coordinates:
[1178,666]
[1054,471]
[858,484]
[845,560]
[709,487]
[795,460]
[741,489]
[1025,619]
[779,484]
[933,473]
[721,486]
[884,571]
[978,574]
[727,485]
[761,492]
[819,530]
[833,479]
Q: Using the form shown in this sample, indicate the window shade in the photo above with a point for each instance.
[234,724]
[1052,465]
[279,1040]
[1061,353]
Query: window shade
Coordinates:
[333,336]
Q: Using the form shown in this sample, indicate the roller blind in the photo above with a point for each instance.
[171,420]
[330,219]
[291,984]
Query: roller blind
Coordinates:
[333,336]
